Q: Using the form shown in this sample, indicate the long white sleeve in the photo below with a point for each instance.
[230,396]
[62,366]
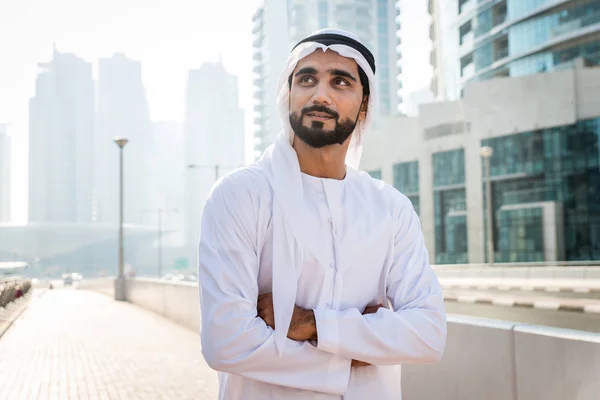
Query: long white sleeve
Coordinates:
[415,330]
[234,339]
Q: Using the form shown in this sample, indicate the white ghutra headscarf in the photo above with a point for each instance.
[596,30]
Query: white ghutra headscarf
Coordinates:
[292,224]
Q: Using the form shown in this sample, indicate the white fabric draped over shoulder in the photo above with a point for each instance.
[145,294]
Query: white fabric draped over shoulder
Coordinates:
[281,164]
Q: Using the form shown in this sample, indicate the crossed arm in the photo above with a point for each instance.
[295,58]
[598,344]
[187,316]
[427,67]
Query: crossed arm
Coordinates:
[303,325]
[234,340]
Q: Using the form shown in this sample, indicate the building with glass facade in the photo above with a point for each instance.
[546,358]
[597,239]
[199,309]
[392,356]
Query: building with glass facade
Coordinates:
[481,39]
[279,24]
[544,130]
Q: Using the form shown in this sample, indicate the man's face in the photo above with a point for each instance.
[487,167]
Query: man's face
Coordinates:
[326,99]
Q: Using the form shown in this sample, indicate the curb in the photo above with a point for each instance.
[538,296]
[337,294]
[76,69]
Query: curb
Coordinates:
[546,289]
[17,308]
[524,303]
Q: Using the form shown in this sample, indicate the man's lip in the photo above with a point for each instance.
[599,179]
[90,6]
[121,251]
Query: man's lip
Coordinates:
[319,115]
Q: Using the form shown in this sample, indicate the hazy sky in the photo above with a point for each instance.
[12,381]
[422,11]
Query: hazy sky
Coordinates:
[169,37]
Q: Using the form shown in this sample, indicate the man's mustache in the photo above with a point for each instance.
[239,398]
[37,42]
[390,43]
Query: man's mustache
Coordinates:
[320,108]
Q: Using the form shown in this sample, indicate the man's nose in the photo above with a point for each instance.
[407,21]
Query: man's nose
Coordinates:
[322,94]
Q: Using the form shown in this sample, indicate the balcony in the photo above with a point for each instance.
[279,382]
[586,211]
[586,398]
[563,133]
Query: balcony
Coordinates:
[259,41]
[259,69]
[576,24]
[259,121]
[259,94]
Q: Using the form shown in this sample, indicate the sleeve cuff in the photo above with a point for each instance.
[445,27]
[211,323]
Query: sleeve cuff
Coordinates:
[327,330]
[340,369]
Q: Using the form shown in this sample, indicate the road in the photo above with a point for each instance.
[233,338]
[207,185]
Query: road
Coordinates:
[559,319]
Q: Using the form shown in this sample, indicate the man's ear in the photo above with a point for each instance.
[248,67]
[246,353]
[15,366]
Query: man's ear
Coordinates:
[363,109]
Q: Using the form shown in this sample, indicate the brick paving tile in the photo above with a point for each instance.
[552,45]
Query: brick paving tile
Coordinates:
[76,344]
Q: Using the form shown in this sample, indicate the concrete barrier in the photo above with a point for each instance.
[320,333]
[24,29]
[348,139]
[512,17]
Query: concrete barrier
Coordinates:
[484,359]
[477,364]
[177,301]
[101,285]
[556,364]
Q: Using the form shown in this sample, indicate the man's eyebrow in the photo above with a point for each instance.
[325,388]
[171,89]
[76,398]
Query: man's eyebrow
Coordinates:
[342,73]
[306,71]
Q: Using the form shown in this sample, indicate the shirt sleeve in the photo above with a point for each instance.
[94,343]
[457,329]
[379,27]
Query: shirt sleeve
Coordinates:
[414,330]
[234,338]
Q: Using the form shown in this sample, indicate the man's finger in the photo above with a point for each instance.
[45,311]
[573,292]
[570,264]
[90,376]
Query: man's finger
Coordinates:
[269,320]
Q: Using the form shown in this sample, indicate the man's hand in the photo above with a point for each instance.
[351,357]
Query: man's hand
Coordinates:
[302,326]
[372,309]
[368,310]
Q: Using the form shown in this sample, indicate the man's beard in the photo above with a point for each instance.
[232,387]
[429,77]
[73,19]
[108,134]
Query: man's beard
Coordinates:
[315,136]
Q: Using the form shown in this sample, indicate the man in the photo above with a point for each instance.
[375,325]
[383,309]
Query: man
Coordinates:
[314,278]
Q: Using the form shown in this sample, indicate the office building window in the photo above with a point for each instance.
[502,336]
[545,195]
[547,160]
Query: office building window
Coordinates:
[449,168]
[406,180]
[450,227]
[406,177]
[375,173]
[450,207]
[560,165]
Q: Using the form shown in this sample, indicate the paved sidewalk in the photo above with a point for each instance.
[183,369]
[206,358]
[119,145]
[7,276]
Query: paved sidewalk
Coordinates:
[75,344]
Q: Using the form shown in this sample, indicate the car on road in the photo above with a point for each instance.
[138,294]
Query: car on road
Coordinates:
[67,279]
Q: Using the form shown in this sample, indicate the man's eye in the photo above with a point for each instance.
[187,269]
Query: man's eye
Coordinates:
[306,79]
[341,81]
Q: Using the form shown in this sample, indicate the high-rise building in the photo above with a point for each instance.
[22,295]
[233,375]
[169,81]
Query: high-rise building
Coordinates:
[476,40]
[61,132]
[213,138]
[278,25]
[122,111]
[5,171]
[544,131]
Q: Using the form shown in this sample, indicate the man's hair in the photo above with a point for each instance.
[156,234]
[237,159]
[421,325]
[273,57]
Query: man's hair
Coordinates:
[364,81]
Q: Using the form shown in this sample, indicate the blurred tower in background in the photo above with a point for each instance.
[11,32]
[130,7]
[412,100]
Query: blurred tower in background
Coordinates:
[122,111]
[5,171]
[213,139]
[61,131]
[278,25]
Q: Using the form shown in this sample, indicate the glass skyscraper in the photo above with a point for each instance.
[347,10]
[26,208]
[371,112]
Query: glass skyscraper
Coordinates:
[544,130]
[482,39]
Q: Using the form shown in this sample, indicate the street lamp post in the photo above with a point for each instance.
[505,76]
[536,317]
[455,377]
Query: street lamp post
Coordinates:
[486,153]
[120,287]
